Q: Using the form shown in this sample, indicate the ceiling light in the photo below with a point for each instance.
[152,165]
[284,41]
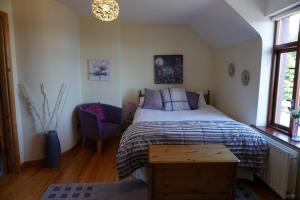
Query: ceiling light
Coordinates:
[105,10]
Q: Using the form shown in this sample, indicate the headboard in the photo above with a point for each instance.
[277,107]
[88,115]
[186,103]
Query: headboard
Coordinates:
[206,96]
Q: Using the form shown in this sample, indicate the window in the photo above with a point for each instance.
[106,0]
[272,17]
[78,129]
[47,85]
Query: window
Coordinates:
[285,91]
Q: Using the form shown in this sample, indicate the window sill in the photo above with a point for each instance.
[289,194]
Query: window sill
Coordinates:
[278,135]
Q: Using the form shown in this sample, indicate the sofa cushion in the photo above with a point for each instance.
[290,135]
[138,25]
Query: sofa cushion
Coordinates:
[96,109]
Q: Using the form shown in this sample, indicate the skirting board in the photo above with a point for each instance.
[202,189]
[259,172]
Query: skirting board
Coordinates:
[40,162]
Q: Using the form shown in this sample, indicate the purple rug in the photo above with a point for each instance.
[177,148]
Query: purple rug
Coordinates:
[125,190]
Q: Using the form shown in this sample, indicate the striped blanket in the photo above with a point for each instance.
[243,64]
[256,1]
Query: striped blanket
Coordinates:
[243,141]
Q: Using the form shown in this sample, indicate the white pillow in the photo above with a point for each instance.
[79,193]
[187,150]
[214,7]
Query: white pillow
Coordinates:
[202,101]
[175,99]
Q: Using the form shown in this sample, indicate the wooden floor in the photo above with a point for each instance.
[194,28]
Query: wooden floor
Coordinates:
[81,165]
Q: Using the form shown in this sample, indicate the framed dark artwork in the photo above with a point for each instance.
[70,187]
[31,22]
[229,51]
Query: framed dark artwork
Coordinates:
[168,69]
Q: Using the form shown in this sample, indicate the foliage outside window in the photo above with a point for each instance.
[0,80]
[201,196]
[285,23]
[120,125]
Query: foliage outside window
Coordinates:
[285,91]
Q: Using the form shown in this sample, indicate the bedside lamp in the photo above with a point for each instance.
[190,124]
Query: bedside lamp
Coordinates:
[131,108]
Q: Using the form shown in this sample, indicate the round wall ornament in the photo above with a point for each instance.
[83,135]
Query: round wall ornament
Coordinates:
[245,77]
[231,69]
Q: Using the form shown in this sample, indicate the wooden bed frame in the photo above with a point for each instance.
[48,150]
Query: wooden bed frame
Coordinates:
[206,96]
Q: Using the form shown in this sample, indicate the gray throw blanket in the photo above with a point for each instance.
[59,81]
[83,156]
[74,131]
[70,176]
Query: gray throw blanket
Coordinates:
[243,141]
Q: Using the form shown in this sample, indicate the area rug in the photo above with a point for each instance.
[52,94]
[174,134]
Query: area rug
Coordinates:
[126,190]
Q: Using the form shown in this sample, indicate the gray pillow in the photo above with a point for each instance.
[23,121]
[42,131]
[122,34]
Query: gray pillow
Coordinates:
[193,99]
[153,100]
[175,99]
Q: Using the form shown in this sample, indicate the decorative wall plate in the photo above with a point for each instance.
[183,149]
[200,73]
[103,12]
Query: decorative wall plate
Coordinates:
[231,69]
[245,77]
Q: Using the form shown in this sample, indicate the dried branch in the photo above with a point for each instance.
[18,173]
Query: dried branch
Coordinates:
[59,115]
[31,105]
[59,105]
[47,117]
[56,106]
[45,101]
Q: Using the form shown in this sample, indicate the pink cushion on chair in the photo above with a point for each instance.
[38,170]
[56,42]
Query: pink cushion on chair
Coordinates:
[96,108]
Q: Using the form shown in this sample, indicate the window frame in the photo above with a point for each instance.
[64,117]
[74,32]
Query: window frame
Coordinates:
[277,51]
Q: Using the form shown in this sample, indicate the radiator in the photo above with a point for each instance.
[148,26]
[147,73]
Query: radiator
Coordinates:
[281,169]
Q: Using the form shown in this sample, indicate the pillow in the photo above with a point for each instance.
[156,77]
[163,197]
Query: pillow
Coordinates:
[96,109]
[152,100]
[193,99]
[202,101]
[175,99]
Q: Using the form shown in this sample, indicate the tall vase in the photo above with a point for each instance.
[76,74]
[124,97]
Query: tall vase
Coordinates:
[295,134]
[52,150]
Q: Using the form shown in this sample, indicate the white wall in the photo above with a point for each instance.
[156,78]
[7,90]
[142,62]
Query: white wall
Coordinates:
[5,6]
[253,12]
[140,42]
[231,96]
[100,40]
[274,7]
[47,48]
[131,47]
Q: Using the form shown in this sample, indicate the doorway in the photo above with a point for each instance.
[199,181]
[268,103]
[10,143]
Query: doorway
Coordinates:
[3,159]
[9,146]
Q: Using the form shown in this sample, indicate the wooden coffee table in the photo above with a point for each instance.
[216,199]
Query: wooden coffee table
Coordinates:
[191,172]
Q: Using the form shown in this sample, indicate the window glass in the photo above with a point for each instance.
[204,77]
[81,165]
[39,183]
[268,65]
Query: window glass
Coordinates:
[285,87]
[288,29]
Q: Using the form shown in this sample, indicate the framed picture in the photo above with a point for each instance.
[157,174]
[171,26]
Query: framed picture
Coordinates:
[168,69]
[99,69]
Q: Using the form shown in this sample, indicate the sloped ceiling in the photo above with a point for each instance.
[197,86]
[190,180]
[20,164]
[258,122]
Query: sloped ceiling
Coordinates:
[274,7]
[214,20]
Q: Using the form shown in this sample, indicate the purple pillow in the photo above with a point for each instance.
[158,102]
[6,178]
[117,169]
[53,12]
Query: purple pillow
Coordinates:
[96,109]
[153,100]
[193,99]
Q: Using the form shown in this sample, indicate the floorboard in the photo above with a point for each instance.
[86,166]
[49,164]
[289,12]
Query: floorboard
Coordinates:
[82,165]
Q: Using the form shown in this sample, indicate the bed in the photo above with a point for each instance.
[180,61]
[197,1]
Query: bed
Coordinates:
[206,125]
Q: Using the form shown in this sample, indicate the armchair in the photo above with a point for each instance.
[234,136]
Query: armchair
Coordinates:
[94,128]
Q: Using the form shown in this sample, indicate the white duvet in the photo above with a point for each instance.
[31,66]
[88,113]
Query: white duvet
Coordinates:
[205,113]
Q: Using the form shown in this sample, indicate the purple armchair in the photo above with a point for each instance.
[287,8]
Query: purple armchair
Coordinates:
[92,127]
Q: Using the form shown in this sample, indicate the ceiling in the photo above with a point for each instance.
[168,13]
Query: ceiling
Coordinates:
[214,20]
